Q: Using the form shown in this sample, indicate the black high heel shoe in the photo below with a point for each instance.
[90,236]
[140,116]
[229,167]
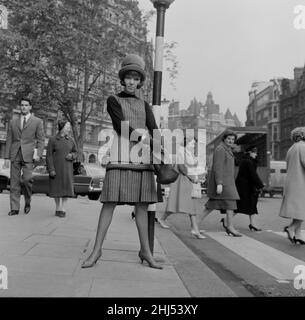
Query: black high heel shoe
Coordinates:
[86,264]
[251,227]
[232,233]
[133,215]
[223,223]
[288,235]
[300,241]
[151,264]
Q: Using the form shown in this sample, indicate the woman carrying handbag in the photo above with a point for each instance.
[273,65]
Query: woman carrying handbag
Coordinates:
[128,182]
[184,191]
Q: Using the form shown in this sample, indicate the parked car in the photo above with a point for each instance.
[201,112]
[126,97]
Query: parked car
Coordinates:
[87,182]
[277,178]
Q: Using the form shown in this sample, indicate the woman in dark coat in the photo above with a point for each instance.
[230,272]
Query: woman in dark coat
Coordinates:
[248,184]
[129,179]
[61,152]
[221,190]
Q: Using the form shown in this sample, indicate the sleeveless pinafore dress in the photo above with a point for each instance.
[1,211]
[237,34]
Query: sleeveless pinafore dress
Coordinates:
[129,182]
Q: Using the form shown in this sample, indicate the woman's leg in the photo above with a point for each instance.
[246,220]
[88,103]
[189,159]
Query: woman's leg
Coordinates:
[102,228]
[64,203]
[251,218]
[292,227]
[195,229]
[162,219]
[56,203]
[229,222]
[194,224]
[59,204]
[297,228]
[142,226]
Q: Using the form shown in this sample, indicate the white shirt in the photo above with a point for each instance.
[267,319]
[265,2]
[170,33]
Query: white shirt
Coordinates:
[27,117]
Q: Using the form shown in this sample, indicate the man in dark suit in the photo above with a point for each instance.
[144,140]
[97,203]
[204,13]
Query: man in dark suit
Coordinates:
[23,135]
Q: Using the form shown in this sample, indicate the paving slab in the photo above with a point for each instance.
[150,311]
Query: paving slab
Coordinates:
[33,264]
[125,288]
[56,251]
[129,271]
[128,256]
[15,248]
[30,285]
[71,232]
[62,240]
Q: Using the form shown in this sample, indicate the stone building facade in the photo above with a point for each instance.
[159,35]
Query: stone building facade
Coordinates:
[263,111]
[292,108]
[201,115]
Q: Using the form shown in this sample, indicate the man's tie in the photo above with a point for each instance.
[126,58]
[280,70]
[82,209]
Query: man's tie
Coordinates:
[24,122]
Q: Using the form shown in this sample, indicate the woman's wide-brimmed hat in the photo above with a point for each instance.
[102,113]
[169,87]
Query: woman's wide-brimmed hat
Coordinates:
[132,62]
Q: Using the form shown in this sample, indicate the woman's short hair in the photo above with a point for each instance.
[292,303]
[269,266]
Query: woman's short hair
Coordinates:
[61,124]
[134,73]
[228,133]
[298,134]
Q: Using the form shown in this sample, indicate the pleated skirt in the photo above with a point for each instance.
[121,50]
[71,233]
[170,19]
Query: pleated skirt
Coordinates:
[125,186]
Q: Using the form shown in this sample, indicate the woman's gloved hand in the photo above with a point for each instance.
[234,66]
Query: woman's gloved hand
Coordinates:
[69,157]
[52,174]
[219,189]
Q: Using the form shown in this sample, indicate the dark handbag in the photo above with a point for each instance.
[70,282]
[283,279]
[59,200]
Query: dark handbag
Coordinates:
[165,173]
[77,168]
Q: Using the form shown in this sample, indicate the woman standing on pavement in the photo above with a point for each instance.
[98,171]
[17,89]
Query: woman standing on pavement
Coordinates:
[127,182]
[221,189]
[293,202]
[180,197]
[248,184]
[61,152]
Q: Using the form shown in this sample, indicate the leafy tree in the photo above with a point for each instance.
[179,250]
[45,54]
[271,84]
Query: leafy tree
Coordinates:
[65,54]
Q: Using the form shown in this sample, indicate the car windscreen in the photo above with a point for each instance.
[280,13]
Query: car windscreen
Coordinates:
[95,171]
[40,169]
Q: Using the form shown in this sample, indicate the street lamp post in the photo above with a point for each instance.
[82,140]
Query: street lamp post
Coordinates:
[161,6]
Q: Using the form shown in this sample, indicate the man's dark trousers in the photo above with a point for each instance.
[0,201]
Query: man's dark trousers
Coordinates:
[19,183]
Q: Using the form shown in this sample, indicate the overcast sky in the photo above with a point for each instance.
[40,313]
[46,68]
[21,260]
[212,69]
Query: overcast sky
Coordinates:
[225,45]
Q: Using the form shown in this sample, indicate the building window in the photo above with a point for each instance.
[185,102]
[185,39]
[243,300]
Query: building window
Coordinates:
[275,133]
[92,158]
[276,153]
[275,112]
[50,127]
[266,113]
[89,133]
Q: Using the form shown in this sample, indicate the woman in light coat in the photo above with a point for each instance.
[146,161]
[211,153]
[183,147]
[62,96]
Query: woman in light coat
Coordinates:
[293,202]
[221,190]
[180,197]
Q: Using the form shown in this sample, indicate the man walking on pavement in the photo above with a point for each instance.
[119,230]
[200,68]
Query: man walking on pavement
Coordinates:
[22,136]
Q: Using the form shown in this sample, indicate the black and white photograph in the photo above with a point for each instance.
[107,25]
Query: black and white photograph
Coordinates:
[152,149]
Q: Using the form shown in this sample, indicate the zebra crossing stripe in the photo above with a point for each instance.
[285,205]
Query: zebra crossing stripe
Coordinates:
[274,262]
